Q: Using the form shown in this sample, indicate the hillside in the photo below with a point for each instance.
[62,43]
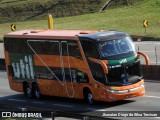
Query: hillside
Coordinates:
[128,19]
[20,10]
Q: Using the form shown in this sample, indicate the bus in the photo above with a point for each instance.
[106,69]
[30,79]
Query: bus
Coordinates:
[82,64]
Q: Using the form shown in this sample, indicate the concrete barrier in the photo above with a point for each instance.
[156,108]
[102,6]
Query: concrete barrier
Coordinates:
[151,72]
[143,38]
[2,64]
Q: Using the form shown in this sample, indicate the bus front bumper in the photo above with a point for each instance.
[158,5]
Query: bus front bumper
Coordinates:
[115,95]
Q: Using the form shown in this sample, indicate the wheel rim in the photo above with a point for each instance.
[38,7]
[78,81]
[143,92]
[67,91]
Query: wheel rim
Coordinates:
[29,92]
[90,98]
[37,93]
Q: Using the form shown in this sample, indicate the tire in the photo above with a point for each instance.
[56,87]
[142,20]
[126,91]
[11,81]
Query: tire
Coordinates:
[27,90]
[89,97]
[36,92]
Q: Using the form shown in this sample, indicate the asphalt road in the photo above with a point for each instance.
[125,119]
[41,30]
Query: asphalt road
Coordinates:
[149,102]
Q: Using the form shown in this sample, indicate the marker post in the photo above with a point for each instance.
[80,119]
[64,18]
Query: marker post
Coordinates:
[145,24]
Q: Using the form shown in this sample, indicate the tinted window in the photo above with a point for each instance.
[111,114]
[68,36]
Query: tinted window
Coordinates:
[90,49]
[48,47]
[15,45]
[97,72]
[73,49]
[44,47]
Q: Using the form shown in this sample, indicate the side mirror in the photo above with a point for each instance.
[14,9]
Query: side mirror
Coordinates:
[101,62]
[145,57]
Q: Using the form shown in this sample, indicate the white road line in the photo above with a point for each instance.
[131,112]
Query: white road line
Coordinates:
[96,109]
[152,96]
[38,102]
[157,117]
[62,105]
[17,100]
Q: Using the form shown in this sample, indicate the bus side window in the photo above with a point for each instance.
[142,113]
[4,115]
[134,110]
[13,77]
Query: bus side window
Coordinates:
[90,50]
[74,50]
[97,72]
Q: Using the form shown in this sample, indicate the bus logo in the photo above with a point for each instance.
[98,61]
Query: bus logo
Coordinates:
[123,61]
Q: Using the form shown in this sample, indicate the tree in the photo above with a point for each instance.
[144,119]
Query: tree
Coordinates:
[105,5]
[120,2]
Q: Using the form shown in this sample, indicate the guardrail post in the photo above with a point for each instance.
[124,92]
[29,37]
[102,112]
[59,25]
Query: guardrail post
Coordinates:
[138,51]
[138,48]
[156,54]
[53,114]
[86,118]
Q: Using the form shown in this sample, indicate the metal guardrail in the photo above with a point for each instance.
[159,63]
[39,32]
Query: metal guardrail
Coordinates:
[153,54]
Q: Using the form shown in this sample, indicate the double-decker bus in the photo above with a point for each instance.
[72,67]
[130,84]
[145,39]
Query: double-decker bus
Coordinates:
[91,65]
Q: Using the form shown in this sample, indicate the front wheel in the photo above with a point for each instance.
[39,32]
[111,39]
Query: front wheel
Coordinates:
[89,98]
[36,92]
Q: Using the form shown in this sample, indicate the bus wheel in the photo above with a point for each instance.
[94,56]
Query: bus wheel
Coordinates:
[36,92]
[89,97]
[27,91]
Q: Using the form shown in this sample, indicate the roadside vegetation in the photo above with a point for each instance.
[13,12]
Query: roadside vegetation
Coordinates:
[123,18]
[20,10]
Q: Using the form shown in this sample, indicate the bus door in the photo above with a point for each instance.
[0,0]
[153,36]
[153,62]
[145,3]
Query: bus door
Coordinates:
[96,69]
[66,69]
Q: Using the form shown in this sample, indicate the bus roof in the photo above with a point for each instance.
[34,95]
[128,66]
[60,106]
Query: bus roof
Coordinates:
[67,34]
[105,35]
[49,34]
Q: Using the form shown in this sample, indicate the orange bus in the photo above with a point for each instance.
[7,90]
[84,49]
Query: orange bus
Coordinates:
[91,65]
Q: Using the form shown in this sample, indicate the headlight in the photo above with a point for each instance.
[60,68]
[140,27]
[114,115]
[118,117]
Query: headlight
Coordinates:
[123,91]
[117,91]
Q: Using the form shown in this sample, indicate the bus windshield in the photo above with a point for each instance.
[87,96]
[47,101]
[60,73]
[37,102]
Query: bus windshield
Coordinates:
[117,48]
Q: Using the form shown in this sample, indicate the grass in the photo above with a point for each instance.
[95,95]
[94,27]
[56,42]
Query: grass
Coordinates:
[21,10]
[127,19]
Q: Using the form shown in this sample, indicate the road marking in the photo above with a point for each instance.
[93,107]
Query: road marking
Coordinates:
[157,117]
[38,102]
[96,109]
[62,105]
[152,96]
[17,100]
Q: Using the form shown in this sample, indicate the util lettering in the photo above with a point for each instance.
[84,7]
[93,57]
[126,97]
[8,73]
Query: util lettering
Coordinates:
[123,61]
[24,68]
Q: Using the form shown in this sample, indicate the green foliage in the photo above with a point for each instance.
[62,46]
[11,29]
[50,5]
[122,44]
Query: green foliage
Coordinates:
[19,10]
